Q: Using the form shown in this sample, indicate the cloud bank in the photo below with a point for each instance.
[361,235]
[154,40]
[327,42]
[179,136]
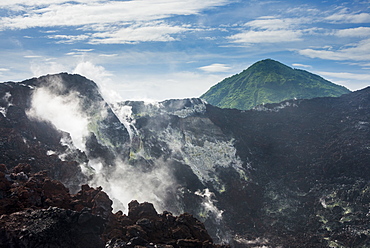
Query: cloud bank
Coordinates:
[127,21]
[215,68]
[357,52]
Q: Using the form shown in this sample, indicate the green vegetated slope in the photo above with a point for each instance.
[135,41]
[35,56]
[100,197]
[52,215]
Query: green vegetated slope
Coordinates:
[269,81]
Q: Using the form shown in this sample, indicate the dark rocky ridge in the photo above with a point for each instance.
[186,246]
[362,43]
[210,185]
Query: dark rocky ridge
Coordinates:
[37,211]
[293,174]
[306,163]
[28,140]
[311,161]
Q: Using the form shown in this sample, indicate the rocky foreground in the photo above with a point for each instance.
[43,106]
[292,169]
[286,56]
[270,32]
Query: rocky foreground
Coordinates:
[37,211]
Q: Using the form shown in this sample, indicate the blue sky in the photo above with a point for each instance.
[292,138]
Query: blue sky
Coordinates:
[161,49]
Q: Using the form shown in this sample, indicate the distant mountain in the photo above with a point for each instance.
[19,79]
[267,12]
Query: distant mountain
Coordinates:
[269,81]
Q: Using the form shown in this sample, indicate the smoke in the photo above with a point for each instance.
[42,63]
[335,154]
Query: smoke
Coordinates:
[121,181]
[124,182]
[5,101]
[124,115]
[214,215]
[209,206]
[63,111]
[101,77]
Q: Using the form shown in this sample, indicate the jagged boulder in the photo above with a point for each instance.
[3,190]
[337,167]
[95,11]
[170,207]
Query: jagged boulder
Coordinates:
[37,211]
[144,226]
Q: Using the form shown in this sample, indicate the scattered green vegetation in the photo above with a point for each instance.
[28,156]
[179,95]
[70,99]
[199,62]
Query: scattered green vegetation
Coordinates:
[269,81]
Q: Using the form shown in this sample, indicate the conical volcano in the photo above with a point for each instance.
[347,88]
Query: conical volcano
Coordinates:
[269,81]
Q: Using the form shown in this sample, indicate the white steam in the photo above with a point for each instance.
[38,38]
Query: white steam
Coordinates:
[125,183]
[209,206]
[121,181]
[101,77]
[124,114]
[63,111]
[6,99]
[211,212]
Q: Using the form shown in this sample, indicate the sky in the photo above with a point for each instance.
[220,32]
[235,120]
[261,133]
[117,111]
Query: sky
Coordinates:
[168,49]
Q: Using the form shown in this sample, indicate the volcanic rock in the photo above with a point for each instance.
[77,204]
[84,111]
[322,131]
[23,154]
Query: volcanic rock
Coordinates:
[52,227]
[291,174]
[37,211]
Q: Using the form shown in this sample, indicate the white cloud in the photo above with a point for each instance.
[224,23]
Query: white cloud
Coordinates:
[67,14]
[362,64]
[83,50]
[32,56]
[4,69]
[270,29]
[48,31]
[353,81]
[123,24]
[108,55]
[297,24]
[302,65]
[359,51]
[354,32]
[101,77]
[266,36]
[215,68]
[272,23]
[68,38]
[346,75]
[138,33]
[349,17]
[79,52]
[75,54]
[7,3]
[303,10]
